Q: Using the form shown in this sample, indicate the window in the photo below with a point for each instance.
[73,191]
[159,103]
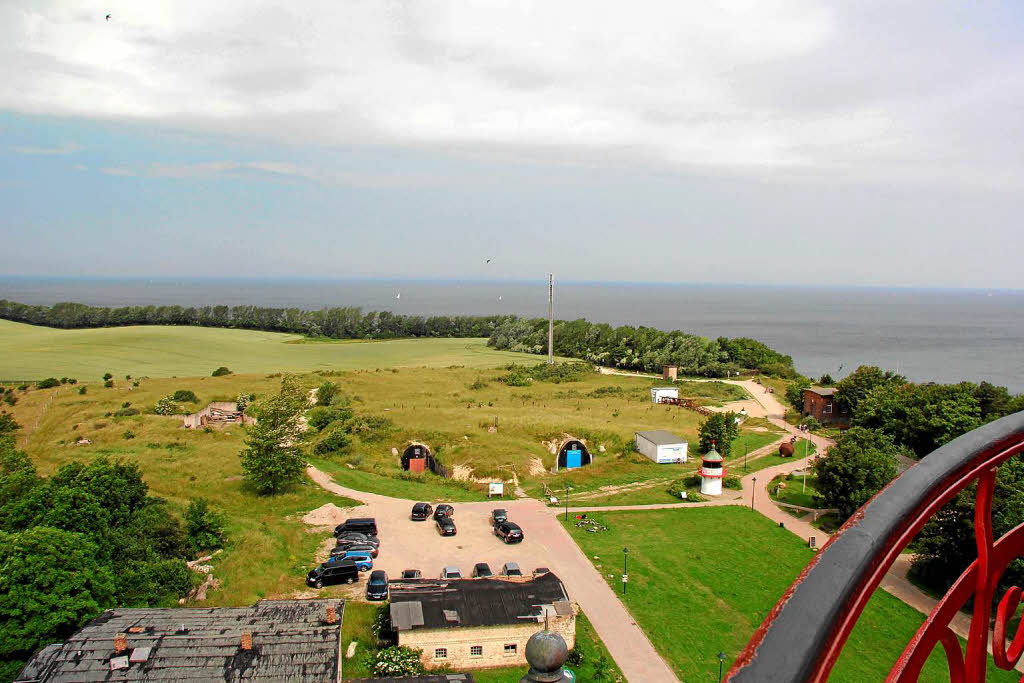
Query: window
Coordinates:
[828,408]
[441,653]
[511,648]
[476,651]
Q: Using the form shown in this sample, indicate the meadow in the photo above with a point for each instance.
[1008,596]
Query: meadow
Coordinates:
[28,352]
[702,579]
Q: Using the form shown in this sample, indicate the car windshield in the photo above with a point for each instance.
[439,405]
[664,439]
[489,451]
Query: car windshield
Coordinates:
[379,581]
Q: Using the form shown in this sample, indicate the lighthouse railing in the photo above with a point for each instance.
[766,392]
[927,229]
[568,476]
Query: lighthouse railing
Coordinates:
[803,635]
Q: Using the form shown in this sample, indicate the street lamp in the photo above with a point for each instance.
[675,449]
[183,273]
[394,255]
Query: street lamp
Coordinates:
[625,572]
[745,448]
[567,502]
[753,489]
[721,660]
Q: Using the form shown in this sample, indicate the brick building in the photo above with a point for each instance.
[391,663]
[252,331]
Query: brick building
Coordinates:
[478,623]
[820,403]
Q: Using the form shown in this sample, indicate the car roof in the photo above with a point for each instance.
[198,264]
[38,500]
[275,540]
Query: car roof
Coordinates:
[451,568]
[377,573]
[499,510]
[481,564]
[511,525]
[512,565]
[421,505]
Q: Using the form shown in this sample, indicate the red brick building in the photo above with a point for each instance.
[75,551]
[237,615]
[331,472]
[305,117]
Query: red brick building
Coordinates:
[821,404]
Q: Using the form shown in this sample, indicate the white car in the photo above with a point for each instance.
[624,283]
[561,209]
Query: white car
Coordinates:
[451,573]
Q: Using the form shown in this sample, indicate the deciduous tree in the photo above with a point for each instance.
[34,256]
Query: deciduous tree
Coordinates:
[857,467]
[273,459]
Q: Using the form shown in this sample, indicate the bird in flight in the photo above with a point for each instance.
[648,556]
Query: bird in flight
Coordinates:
[398,296]
[108,17]
[488,260]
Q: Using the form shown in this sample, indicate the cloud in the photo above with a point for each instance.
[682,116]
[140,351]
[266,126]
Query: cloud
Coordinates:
[868,88]
[69,148]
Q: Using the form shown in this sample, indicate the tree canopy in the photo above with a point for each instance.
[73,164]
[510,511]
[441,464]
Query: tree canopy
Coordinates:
[272,459]
[858,466]
[853,388]
[719,429]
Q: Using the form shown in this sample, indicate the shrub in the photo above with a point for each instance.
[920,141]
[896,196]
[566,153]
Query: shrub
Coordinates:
[63,380]
[478,384]
[245,400]
[221,371]
[370,427]
[326,392]
[185,396]
[810,423]
[109,383]
[204,526]
[128,434]
[48,383]
[336,440]
[605,391]
[126,412]
[166,406]
[321,416]
[81,390]
[731,482]
[398,661]
[23,387]
[107,376]
[516,379]
[10,399]
[72,380]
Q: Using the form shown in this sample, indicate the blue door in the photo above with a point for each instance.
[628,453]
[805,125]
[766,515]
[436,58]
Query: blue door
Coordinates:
[573,459]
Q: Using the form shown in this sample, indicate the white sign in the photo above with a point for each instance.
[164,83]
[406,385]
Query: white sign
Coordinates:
[625,578]
[497,489]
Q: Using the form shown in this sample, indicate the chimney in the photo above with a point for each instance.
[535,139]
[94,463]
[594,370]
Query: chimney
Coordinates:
[120,643]
[332,615]
[246,640]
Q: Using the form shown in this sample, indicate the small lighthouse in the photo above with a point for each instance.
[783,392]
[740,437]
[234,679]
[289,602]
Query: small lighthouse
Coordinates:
[711,472]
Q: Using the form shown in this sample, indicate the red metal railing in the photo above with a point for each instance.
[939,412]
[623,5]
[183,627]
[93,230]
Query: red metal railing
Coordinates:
[802,636]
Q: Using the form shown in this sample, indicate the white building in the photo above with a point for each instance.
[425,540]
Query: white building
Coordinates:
[658,393]
[661,446]
[711,473]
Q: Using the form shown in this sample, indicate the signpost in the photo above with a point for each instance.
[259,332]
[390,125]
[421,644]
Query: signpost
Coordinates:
[625,569]
[496,489]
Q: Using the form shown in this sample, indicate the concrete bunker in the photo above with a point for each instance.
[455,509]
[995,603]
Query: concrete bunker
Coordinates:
[573,454]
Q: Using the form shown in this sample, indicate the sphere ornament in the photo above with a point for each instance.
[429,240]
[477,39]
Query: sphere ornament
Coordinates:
[546,652]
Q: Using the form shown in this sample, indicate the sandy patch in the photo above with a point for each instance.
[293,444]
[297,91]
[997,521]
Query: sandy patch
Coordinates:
[328,514]
[537,467]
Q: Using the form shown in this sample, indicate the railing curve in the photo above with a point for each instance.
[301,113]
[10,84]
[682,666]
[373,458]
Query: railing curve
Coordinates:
[801,638]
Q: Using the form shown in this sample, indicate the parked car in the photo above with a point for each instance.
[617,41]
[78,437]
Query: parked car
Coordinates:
[511,569]
[412,574]
[357,539]
[481,570]
[443,510]
[332,572]
[377,585]
[373,550]
[420,511]
[498,516]
[362,525]
[445,526]
[451,573]
[362,560]
[540,571]
[509,532]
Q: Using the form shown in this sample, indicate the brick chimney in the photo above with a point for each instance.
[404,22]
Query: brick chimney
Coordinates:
[246,640]
[120,643]
[332,615]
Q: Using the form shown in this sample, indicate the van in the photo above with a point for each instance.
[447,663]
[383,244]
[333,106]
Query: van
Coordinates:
[332,572]
[361,525]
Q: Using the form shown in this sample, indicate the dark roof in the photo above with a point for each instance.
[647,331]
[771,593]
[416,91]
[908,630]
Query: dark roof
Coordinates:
[442,678]
[820,391]
[660,437]
[427,603]
[291,640]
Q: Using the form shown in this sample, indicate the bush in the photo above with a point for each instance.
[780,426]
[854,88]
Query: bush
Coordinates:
[221,371]
[731,482]
[335,441]
[81,390]
[10,399]
[370,428]
[129,434]
[326,392]
[244,401]
[107,376]
[478,384]
[48,383]
[109,383]
[398,661]
[126,412]
[72,380]
[185,396]
[204,526]
[321,416]
[810,423]
[166,406]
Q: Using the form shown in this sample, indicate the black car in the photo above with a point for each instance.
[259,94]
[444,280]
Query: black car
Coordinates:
[412,574]
[332,572]
[377,585]
[373,550]
[445,526]
[357,539]
[362,525]
[443,510]
[482,570]
[509,532]
[420,511]
[498,516]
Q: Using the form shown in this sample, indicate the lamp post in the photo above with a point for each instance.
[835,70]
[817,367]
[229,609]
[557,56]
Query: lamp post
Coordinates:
[567,502]
[721,660]
[625,572]
[746,446]
[753,489]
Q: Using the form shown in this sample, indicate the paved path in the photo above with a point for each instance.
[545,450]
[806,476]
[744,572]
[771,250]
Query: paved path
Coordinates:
[414,544]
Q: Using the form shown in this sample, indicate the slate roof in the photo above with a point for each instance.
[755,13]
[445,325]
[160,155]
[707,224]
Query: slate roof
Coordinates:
[476,602]
[291,640]
[660,437]
[820,391]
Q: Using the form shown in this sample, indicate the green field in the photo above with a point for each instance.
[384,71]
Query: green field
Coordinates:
[702,579]
[30,352]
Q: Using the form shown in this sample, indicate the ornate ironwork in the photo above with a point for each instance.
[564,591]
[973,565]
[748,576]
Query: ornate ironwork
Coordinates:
[803,635]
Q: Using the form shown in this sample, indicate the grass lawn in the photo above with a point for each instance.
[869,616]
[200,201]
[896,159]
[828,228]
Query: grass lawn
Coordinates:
[359,618]
[30,352]
[425,487]
[796,493]
[695,598]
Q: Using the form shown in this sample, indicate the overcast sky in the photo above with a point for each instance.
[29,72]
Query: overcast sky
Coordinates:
[863,142]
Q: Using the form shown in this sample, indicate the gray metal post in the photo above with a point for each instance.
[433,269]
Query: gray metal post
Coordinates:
[551,318]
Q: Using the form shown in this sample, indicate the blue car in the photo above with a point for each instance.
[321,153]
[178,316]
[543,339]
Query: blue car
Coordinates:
[362,560]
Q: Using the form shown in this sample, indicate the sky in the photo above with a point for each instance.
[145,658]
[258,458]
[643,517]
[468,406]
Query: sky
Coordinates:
[757,142]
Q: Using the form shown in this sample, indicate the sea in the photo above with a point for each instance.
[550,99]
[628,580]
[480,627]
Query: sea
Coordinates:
[924,334]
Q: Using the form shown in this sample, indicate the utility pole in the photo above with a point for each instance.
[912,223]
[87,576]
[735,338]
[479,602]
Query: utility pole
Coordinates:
[551,318]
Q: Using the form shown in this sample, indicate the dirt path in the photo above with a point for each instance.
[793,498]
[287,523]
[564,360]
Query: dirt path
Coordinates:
[408,544]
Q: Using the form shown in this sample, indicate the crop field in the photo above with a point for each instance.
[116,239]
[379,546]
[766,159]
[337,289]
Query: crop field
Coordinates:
[702,579]
[28,352]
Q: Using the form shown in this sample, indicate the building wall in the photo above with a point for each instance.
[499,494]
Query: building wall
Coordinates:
[492,639]
[817,407]
[664,454]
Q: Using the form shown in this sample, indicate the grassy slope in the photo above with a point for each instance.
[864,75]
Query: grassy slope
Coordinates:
[29,352]
[695,597]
